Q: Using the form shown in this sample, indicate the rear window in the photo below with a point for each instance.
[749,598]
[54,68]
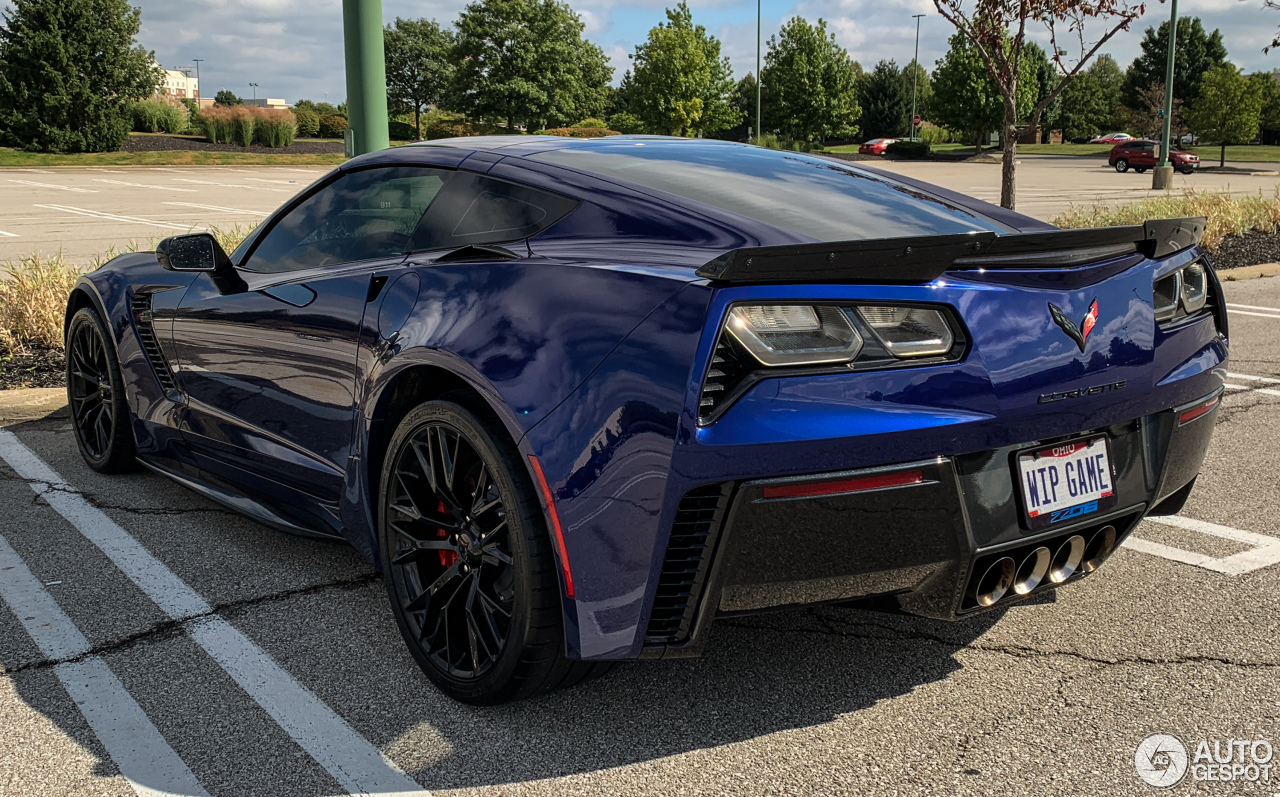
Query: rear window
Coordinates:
[815,197]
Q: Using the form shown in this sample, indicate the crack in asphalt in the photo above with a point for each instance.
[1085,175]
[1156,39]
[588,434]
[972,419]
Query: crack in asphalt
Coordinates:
[1016,651]
[170,628]
[98,503]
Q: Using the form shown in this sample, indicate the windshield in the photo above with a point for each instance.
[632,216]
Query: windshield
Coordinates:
[816,197]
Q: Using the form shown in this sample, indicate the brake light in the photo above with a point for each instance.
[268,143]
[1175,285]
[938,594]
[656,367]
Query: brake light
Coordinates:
[856,484]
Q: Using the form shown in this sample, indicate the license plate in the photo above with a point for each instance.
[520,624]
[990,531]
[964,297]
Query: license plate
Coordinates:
[1066,481]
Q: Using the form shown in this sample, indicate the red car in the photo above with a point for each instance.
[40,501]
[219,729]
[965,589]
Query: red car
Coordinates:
[1111,138]
[875,146]
[1142,154]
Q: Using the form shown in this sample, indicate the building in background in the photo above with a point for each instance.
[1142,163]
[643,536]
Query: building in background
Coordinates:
[265,103]
[180,83]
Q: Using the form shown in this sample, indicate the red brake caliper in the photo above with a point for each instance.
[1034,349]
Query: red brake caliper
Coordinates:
[447,558]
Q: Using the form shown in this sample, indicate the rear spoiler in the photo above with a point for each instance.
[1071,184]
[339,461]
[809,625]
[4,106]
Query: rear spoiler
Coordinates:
[925,258]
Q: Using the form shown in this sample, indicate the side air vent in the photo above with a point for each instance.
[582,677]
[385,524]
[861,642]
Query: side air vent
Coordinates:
[687,562]
[729,365]
[150,346]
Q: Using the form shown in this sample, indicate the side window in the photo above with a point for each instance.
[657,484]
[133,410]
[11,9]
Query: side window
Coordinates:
[476,209]
[360,216]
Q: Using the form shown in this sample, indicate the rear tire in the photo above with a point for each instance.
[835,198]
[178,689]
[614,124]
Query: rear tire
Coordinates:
[96,396]
[1140,169]
[1122,165]
[467,560]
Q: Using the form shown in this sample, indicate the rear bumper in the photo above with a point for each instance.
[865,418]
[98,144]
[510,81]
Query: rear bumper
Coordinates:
[919,546]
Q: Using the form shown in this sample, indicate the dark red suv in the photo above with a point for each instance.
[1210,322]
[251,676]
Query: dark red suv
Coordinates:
[1142,154]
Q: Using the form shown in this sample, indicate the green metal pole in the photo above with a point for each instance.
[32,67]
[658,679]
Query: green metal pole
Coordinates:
[366,77]
[915,75]
[1168,84]
[758,81]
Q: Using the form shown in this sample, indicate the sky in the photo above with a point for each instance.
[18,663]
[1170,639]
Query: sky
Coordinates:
[293,48]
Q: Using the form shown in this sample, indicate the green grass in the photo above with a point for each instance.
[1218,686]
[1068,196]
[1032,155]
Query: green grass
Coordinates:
[1246,153]
[17,157]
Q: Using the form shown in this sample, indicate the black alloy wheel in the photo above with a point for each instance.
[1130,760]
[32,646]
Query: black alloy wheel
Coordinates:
[467,559]
[1122,165]
[95,393]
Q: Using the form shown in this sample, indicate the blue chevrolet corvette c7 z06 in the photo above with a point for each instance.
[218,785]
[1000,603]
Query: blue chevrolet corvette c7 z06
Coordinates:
[577,399]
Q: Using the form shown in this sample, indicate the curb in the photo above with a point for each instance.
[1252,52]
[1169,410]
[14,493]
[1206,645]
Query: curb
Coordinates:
[31,404]
[1250,272]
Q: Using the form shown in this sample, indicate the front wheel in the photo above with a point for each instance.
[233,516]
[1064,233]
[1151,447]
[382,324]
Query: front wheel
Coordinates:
[1140,169]
[468,561]
[95,393]
[1187,170]
[1122,165]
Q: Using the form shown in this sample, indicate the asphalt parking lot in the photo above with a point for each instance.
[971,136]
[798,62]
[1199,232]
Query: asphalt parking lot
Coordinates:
[84,212]
[145,631]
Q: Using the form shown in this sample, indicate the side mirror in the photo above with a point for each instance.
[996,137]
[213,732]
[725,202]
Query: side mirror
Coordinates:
[195,252]
[200,252]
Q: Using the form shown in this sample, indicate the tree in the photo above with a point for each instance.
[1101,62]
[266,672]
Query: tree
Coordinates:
[681,85]
[1227,110]
[1042,75]
[965,98]
[1145,114]
[69,70]
[809,86]
[227,99]
[916,77]
[419,68]
[998,30]
[1091,102]
[884,102]
[1197,52]
[525,61]
[1269,90]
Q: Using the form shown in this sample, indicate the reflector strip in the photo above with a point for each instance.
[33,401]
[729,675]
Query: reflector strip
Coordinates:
[555,524]
[854,485]
[1187,416]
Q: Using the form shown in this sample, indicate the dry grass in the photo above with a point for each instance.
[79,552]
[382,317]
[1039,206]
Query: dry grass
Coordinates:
[1227,215]
[34,290]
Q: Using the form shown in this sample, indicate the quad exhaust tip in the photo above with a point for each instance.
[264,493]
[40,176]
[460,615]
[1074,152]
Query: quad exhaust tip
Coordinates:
[1034,567]
[1066,560]
[995,581]
[1100,546]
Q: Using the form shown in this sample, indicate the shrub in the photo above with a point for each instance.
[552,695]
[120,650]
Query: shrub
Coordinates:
[217,124]
[460,128]
[274,127]
[333,125]
[768,141]
[156,116]
[580,132]
[1226,215]
[33,301]
[934,135]
[912,150]
[591,121]
[243,122]
[626,123]
[308,122]
[402,131]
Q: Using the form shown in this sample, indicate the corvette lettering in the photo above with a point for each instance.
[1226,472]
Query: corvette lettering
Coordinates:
[1048,398]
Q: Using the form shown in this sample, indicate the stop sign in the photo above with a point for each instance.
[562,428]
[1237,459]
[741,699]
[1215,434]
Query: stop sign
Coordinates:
[916,120]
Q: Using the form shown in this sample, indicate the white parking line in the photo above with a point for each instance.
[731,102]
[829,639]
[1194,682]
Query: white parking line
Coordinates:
[145,759]
[1265,551]
[344,754]
[1253,307]
[1269,379]
[219,209]
[231,185]
[1250,312]
[97,214]
[8,234]
[59,187]
[143,185]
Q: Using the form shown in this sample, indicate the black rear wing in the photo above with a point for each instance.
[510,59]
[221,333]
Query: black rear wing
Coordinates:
[925,258]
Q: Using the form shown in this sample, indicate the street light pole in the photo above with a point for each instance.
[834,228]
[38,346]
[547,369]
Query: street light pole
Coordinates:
[915,74]
[366,76]
[198,94]
[1162,175]
[254,86]
[758,82]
